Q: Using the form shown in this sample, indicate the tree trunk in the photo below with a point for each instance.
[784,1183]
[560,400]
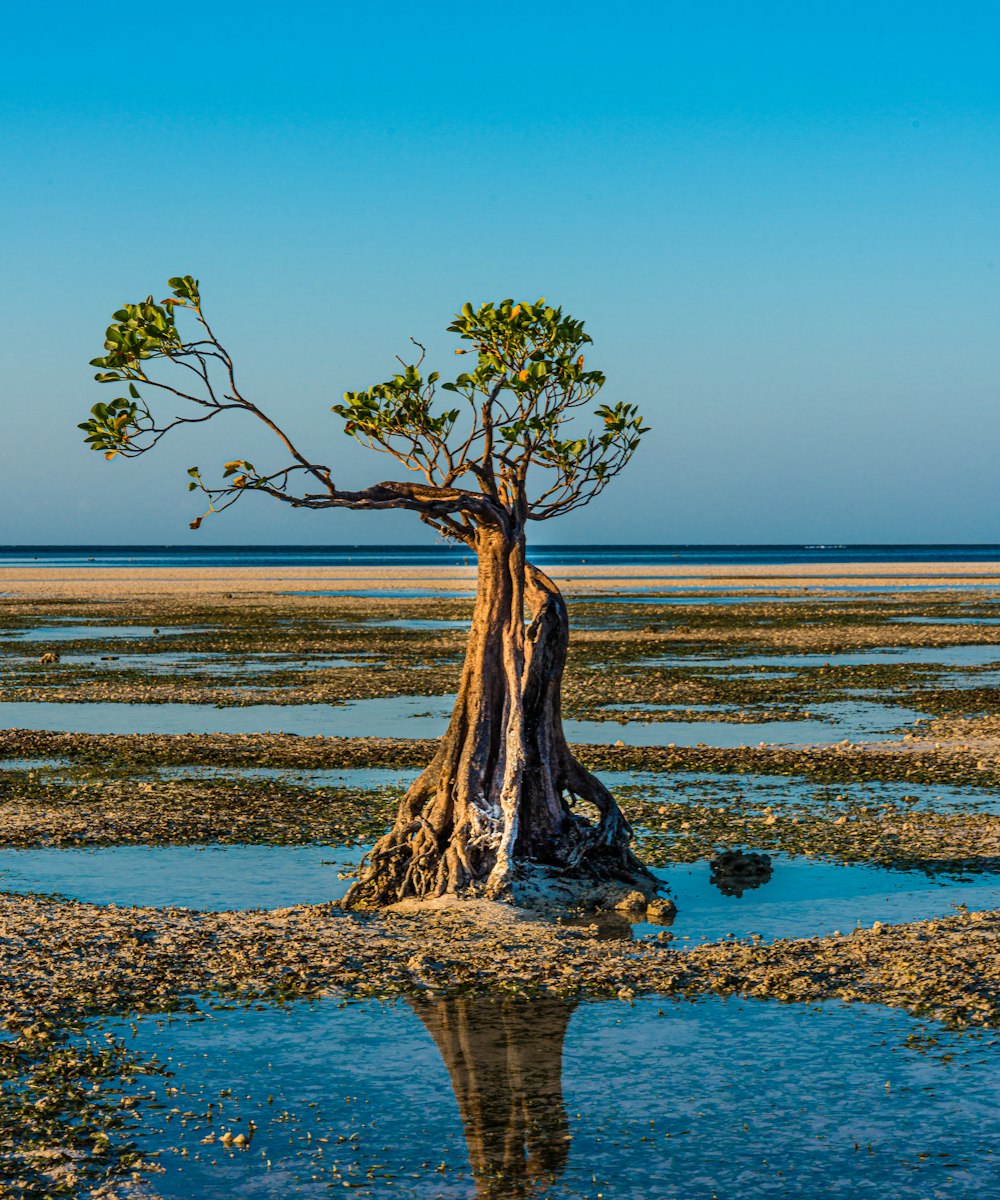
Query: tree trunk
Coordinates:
[501,789]
[504,1057]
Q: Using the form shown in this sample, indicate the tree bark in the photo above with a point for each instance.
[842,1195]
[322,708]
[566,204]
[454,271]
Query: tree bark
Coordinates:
[502,789]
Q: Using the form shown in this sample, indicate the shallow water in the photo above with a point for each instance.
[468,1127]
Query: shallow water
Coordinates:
[659,1100]
[946,656]
[906,556]
[981,679]
[630,597]
[778,790]
[759,790]
[803,898]
[854,721]
[946,620]
[212,878]
[390,593]
[353,777]
[93,633]
[427,717]
[33,764]
[415,623]
[211,664]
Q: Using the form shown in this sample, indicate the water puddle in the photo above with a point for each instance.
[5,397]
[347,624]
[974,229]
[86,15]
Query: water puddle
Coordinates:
[508,1098]
[946,620]
[361,778]
[211,664]
[427,717]
[829,723]
[777,791]
[415,623]
[389,593]
[803,898]
[630,597]
[396,716]
[211,878]
[945,656]
[981,679]
[806,898]
[33,764]
[94,633]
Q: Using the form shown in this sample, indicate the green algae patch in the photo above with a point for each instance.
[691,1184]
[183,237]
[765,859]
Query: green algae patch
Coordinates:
[71,1099]
[102,811]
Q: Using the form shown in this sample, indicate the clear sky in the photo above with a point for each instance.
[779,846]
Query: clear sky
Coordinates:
[781,222]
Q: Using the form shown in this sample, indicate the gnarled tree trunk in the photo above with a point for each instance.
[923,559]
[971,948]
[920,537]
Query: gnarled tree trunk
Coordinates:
[502,787]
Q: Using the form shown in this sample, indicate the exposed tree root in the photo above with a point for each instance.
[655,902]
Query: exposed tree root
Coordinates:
[503,789]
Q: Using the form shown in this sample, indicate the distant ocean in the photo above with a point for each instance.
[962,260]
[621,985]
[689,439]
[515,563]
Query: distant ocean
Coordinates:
[420,556]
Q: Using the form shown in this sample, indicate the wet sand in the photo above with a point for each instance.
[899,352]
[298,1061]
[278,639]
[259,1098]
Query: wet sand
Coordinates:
[130,582]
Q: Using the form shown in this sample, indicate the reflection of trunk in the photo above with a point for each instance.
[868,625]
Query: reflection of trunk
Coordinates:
[500,788]
[504,1057]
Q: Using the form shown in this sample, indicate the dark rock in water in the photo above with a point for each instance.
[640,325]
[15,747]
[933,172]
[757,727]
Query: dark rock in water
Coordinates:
[736,871]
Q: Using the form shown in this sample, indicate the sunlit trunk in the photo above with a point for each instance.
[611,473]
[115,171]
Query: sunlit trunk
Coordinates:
[499,791]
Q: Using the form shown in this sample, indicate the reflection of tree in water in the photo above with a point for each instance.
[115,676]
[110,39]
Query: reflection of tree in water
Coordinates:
[504,1056]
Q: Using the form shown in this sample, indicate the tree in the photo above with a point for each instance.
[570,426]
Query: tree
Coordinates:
[503,793]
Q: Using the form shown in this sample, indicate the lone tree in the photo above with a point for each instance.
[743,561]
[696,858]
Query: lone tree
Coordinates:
[503,790]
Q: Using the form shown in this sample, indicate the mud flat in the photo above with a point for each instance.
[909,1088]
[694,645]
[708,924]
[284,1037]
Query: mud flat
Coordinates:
[114,1092]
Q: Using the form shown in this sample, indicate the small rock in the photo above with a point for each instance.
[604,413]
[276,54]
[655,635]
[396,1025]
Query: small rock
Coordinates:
[631,902]
[735,871]
[49,657]
[660,911]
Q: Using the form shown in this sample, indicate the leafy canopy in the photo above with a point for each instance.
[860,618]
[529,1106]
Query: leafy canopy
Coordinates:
[470,442]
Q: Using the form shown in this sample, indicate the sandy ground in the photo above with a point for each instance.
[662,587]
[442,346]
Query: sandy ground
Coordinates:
[124,582]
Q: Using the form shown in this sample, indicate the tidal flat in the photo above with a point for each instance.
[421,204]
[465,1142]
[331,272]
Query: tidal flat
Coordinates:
[188,1014]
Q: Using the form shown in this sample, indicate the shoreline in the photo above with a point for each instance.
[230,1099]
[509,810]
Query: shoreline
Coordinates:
[114,582]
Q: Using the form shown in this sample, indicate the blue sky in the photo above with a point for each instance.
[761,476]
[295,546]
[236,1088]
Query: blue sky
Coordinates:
[779,220]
